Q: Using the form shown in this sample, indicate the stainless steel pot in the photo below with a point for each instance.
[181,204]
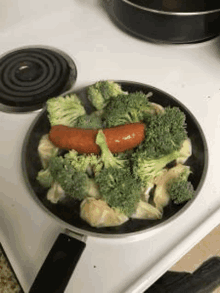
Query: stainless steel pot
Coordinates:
[170,21]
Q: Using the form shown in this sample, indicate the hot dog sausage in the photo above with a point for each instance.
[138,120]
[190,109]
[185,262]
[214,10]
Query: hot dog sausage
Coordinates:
[119,138]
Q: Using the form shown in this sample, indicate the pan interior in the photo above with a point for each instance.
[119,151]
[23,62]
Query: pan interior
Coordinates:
[68,210]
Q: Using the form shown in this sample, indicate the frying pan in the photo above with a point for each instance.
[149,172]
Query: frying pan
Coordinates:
[65,253]
[169,21]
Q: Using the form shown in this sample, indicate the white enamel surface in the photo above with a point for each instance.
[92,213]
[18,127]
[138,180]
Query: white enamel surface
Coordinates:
[100,50]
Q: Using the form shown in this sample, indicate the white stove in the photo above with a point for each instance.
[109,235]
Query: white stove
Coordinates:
[100,50]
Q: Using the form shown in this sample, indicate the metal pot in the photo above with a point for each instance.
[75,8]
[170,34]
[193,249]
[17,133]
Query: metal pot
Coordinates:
[170,21]
[63,257]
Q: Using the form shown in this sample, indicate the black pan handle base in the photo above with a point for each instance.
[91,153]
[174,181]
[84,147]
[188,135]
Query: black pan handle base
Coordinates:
[58,267]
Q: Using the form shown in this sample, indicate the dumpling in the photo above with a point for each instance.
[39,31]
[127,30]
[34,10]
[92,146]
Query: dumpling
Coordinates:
[146,211]
[46,149]
[158,178]
[146,193]
[158,109]
[45,178]
[185,151]
[155,109]
[99,214]
[161,196]
[93,189]
[55,193]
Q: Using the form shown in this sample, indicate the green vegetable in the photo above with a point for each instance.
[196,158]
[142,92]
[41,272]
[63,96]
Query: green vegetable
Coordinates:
[45,178]
[84,163]
[127,108]
[116,183]
[107,157]
[78,162]
[74,182]
[180,189]
[164,133]
[64,110]
[93,121]
[164,137]
[146,169]
[119,189]
[100,93]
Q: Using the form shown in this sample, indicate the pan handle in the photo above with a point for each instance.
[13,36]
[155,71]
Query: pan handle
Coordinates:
[58,267]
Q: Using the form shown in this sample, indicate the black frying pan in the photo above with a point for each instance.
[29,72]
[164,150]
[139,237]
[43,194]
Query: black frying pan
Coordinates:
[170,21]
[66,251]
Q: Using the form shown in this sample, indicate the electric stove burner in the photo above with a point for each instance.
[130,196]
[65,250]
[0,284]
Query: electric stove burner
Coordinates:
[29,76]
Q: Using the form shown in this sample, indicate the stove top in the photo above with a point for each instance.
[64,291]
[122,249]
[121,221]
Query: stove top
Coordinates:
[190,73]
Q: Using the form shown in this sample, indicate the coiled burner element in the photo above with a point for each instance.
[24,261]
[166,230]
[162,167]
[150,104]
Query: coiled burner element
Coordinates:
[28,77]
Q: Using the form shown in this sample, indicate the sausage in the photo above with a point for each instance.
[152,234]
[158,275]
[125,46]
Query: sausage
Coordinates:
[119,138]
[124,137]
[81,140]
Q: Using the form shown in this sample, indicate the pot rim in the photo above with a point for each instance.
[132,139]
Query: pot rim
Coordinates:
[171,12]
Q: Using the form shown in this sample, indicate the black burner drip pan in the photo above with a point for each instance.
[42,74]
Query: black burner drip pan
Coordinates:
[30,76]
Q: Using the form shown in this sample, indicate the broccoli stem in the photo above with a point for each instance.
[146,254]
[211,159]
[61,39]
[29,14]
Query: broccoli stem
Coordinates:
[106,155]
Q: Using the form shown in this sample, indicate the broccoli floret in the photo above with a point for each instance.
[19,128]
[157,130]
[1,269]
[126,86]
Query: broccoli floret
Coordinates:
[180,189]
[146,169]
[116,183]
[84,163]
[74,183]
[92,121]
[119,189]
[164,133]
[45,178]
[164,136]
[64,110]
[77,161]
[100,93]
[128,108]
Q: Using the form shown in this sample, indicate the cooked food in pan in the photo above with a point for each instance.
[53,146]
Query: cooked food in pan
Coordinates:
[127,159]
